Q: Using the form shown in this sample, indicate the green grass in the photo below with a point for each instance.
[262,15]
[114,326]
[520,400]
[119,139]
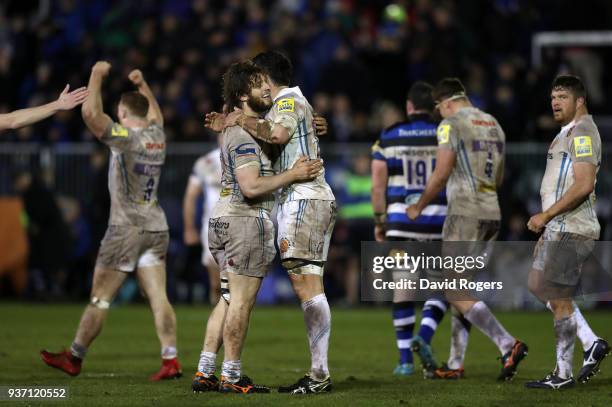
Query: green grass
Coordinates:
[362,356]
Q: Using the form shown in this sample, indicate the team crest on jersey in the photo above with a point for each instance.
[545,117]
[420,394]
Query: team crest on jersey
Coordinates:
[286,105]
[119,131]
[284,245]
[443,133]
[583,146]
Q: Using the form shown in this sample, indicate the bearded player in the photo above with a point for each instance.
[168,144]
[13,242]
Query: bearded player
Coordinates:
[570,228]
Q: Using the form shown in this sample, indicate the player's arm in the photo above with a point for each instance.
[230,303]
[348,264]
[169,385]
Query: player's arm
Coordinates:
[264,130]
[445,162]
[154,115]
[252,184]
[499,177]
[192,192]
[380,176]
[584,183]
[93,114]
[23,117]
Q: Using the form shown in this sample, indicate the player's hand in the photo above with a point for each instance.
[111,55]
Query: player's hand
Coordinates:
[214,121]
[306,169]
[379,233]
[537,222]
[102,68]
[191,237]
[69,100]
[413,212]
[320,125]
[233,118]
[136,77]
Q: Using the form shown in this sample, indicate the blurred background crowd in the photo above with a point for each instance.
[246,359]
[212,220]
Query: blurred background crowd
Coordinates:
[354,60]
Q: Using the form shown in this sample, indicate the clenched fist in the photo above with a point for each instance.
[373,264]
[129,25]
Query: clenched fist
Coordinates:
[136,77]
[102,68]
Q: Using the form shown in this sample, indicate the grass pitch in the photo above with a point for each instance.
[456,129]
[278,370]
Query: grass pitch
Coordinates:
[362,356]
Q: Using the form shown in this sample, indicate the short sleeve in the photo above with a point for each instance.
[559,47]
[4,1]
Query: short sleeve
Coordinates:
[286,113]
[198,173]
[447,134]
[378,153]
[584,145]
[243,148]
[117,136]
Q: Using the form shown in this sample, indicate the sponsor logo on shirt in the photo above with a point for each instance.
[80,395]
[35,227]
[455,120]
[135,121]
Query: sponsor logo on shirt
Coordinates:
[119,131]
[583,146]
[240,150]
[147,169]
[155,146]
[286,105]
[443,133]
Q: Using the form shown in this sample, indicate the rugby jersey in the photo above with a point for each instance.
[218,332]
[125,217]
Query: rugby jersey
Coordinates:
[409,150]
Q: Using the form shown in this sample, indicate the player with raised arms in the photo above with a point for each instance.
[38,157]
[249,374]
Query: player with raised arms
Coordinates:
[137,235]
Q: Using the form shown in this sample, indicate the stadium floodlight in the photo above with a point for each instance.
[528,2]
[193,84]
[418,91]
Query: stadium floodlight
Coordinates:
[567,39]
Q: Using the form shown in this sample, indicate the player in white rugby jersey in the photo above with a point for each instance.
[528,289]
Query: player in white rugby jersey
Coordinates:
[570,227]
[241,234]
[205,178]
[470,164]
[137,235]
[307,211]
[23,117]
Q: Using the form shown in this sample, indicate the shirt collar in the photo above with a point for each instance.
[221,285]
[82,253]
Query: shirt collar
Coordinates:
[285,91]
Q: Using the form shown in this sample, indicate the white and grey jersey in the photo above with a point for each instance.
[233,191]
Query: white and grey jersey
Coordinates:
[578,141]
[138,155]
[292,111]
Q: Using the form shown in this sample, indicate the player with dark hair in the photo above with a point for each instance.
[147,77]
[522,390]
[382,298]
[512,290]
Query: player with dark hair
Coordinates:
[137,234]
[241,234]
[469,163]
[570,228]
[23,117]
[307,210]
[402,160]
[306,214]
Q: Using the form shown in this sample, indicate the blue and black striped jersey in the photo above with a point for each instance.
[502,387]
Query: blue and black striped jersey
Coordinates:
[409,150]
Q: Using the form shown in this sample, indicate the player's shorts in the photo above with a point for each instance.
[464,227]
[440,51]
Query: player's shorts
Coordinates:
[305,228]
[242,245]
[125,248]
[560,256]
[459,228]
[207,257]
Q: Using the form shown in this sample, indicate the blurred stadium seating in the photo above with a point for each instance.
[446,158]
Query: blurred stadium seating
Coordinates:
[353,59]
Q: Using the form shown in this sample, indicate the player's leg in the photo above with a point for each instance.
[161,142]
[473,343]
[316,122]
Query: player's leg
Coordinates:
[212,269]
[105,285]
[565,337]
[305,230]
[152,280]
[115,260]
[460,334]
[151,275]
[205,379]
[553,278]
[243,290]
[511,349]
[214,282]
[249,253]
[433,313]
[403,323]
[595,348]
